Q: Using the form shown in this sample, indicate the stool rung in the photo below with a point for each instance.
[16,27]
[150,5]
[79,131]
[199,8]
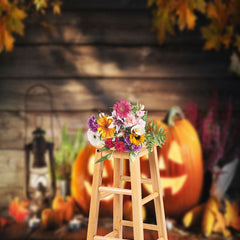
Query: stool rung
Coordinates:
[143,180]
[104,195]
[115,190]
[149,198]
[112,234]
[107,238]
[145,225]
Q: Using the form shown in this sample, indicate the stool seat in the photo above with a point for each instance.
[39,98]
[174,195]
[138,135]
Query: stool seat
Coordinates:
[100,192]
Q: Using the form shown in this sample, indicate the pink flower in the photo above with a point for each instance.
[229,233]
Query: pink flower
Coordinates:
[141,122]
[109,143]
[120,147]
[122,108]
[130,120]
[140,113]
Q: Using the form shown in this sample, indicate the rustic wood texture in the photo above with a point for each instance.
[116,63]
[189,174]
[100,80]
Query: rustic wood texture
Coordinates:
[105,4]
[95,94]
[12,175]
[111,61]
[101,27]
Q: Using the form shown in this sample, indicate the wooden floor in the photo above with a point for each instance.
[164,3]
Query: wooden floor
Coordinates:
[22,232]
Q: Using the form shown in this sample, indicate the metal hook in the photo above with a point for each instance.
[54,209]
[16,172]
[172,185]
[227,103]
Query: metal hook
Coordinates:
[26,96]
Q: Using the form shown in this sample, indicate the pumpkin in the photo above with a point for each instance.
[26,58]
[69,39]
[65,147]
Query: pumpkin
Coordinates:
[127,210]
[180,165]
[51,219]
[81,184]
[66,207]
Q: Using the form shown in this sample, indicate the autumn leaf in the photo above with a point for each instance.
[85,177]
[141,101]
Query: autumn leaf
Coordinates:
[4,222]
[18,209]
[40,4]
[56,7]
[211,34]
[227,36]
[6,39]
[164,24]
[199,5]
[13,13]
[14,22]
[10,22]
[218,10]
[186,15]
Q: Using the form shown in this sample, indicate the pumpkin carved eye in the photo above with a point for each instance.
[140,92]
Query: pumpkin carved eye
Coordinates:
[175,153]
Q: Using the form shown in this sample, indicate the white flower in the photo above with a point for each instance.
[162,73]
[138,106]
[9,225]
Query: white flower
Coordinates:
[138,129]
[94,138]
[142,107]
[117,121]
[101,114]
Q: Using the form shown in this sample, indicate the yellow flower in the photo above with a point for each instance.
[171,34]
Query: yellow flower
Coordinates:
[137,139]
[103,127]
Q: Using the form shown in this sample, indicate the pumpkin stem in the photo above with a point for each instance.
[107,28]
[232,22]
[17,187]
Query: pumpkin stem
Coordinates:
[175,112]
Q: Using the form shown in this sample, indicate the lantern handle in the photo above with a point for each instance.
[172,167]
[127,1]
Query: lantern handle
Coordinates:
[26,107]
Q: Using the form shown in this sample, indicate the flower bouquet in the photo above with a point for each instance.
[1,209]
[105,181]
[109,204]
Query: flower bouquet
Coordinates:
[125,130]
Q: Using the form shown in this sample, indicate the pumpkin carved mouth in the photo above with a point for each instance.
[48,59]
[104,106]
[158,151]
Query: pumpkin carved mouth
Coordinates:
[173,185]
[172,179]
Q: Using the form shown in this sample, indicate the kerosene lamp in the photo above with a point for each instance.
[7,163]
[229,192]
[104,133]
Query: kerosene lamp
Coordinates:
[40,181]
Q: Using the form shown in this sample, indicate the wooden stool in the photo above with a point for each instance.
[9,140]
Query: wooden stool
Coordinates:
[99,192]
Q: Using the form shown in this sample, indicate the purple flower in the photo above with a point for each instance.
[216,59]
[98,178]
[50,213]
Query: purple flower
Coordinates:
[136,148]
[92,124]
[126,148]
[127,140]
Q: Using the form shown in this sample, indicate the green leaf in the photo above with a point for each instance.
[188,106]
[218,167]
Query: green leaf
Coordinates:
[104,148]
[106,157]
[132,156]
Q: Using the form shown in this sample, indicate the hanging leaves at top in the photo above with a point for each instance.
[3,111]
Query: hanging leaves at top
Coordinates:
[222,25]
[12,15]
[168,13]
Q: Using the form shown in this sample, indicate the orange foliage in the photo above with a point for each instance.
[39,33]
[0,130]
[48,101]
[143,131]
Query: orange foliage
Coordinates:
[222,28]
[18,209]
[4,222]
[12,14]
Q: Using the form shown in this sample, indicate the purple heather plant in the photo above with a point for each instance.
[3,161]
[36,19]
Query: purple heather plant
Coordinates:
[216,131]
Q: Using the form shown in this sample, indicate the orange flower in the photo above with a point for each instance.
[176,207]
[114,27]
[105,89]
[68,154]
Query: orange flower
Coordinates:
[103,127]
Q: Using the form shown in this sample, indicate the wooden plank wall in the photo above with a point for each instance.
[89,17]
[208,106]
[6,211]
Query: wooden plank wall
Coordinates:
[95,53]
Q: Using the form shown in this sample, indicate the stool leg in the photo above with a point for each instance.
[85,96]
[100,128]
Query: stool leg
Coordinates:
[158,202]
[117,198]
[94,205]
[136,199]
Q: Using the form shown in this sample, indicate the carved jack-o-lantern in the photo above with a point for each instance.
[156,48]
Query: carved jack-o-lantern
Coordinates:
[81,184]
[180,165]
